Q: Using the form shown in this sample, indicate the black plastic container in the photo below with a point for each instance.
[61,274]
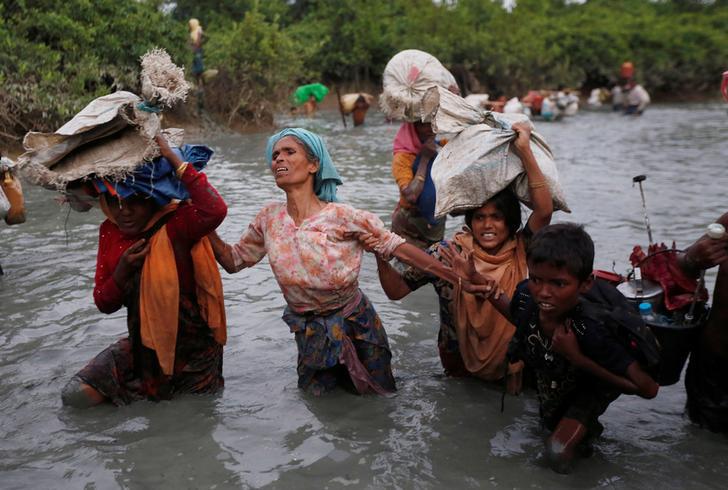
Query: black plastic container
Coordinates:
[676,341]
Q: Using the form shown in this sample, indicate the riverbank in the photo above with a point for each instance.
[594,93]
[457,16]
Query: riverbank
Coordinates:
[200,126]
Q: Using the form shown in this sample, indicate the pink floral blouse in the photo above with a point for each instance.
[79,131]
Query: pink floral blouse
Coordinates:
[316,264]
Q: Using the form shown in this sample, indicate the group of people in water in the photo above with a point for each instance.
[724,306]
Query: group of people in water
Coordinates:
[510,294]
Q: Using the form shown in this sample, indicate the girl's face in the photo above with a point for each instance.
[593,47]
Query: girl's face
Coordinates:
[290,165]
[132,214]
[489,228]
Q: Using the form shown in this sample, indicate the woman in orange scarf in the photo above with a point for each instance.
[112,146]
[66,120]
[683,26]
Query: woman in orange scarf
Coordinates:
[155,259]
[474,336]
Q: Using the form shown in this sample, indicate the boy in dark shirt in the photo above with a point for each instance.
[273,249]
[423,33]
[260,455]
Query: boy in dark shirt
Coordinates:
[579,364]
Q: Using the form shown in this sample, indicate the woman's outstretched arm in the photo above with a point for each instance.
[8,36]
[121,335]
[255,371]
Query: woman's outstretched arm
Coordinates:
[223,252]
[411,255]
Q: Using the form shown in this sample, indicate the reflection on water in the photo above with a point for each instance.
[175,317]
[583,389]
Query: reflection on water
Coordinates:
[263,432]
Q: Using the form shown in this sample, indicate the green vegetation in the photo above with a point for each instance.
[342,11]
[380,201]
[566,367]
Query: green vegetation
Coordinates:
[56,55]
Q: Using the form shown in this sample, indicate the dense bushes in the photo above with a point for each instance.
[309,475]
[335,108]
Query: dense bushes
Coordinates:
[55,56]
[258,64]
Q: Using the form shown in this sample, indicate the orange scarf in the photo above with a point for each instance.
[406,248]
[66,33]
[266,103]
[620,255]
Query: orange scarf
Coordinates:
[159,291]
[483,333]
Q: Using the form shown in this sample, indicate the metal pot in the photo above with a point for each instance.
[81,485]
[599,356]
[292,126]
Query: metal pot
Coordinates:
[642,291]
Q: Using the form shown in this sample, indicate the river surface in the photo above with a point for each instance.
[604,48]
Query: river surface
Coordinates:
[262,432]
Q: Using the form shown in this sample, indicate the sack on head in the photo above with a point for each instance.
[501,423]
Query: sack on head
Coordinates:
[406,79]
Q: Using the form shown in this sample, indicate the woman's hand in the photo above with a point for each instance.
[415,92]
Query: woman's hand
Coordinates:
[460,262]
[522,143]
[166,151]
[564,342]
[489,290]
[131,260]
[366,240]
[471,280]
[706,253]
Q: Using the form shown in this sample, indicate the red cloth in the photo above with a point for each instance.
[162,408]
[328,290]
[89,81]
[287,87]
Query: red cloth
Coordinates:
[406,140]
[190,222]
[660,265]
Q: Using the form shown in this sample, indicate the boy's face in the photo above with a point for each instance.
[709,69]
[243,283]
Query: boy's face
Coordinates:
[555,289]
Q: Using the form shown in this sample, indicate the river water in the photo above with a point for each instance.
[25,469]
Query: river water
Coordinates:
[262,431]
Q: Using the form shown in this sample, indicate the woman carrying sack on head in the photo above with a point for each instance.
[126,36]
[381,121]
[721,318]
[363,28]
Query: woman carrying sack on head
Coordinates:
[154,258]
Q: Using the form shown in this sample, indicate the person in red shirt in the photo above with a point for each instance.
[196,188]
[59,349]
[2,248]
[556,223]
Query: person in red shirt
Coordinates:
[154,258]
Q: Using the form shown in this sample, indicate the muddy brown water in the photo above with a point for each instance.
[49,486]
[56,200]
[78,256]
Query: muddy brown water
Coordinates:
[262,432]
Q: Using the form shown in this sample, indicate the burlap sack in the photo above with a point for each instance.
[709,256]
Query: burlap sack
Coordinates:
[112,135]
[478,162]
[406,78]
[108,138]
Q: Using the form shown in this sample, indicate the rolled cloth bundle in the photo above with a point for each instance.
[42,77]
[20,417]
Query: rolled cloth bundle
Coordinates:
[156,179]
[477,162]
[112,136]
[406,78]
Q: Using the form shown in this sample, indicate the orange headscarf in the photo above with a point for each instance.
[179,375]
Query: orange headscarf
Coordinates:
[483,333]
[159,291]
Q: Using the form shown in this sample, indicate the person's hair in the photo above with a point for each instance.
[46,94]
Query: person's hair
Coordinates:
[563,245]
[310,155]
[507,203]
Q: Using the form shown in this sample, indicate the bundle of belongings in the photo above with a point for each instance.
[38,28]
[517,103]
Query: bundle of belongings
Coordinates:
[349,101]
[12,205]
[109,146]
[477,162]
[406,79]
[660,265]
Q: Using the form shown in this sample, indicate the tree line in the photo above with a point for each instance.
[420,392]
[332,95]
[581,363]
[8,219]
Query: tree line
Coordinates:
[56,56]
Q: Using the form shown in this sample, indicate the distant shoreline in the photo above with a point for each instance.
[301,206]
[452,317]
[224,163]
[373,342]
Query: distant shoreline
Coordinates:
[184,117]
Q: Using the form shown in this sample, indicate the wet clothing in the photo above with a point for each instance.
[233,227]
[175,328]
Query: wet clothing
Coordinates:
[129,370]
[317,268]
[414,222]
[474,337]
[706,383]
[563,390]
[315,263]
[352,337]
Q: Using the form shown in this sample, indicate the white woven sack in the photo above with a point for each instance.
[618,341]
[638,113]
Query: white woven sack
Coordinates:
[406,78]
[478,162]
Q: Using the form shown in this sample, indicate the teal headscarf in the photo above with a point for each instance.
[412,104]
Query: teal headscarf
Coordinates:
[327,178]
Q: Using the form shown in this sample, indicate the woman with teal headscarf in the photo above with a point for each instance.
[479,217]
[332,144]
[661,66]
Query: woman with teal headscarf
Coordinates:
[312,245]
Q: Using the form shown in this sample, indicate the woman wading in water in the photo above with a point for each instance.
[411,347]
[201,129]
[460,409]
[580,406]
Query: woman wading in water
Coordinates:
[313,250]
[153,259]
[474,336]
